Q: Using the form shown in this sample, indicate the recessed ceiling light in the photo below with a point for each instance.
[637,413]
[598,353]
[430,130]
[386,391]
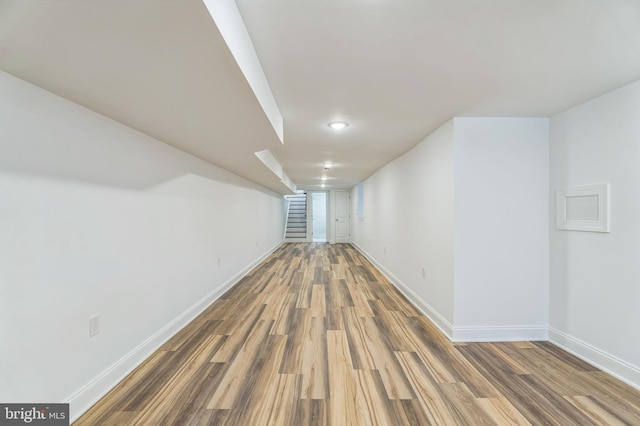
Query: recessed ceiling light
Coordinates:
[338,125]
[327,165]
[324,177]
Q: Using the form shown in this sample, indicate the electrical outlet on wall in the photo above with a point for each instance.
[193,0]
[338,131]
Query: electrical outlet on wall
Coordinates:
[424,272]
[219,262]
[94,325]
[384,249]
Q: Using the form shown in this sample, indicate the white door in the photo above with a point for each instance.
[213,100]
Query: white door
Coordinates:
[342,210]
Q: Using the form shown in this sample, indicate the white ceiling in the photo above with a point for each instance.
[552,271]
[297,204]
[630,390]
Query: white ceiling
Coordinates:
[394,69]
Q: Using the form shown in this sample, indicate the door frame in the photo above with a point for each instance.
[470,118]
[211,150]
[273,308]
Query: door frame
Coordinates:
[310,216]
[334,215]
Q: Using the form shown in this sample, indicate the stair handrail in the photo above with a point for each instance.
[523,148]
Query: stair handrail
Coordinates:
[286,217]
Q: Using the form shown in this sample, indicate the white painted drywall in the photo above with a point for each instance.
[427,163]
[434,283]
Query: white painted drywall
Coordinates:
[469,205]
[227,18]
[595,277]
[408,208]
[96,218]
[501,239]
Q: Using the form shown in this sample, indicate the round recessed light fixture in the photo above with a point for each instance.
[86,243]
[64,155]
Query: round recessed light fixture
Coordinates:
[328,165]
[338,125]
[324,177]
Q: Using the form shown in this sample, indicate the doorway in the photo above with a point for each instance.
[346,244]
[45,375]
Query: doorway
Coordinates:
[319,217]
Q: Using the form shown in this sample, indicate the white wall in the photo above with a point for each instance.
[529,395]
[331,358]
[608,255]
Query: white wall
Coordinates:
[501,239]
[595,277]
[96,218]
[408,208]
[468,204]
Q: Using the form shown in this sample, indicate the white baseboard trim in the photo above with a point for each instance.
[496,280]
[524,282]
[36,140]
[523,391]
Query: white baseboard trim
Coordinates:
[85,397]
[461,334]
[500,334]
[611,364]
[428,311]
[608,363]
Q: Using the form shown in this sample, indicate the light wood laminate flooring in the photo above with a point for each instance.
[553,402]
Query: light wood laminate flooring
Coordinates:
[315,335]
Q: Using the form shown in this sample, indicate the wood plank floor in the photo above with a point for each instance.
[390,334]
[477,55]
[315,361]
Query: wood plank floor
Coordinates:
[315,335]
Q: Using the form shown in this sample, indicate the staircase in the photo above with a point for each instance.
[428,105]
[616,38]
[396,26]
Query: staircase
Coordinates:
[296,228]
